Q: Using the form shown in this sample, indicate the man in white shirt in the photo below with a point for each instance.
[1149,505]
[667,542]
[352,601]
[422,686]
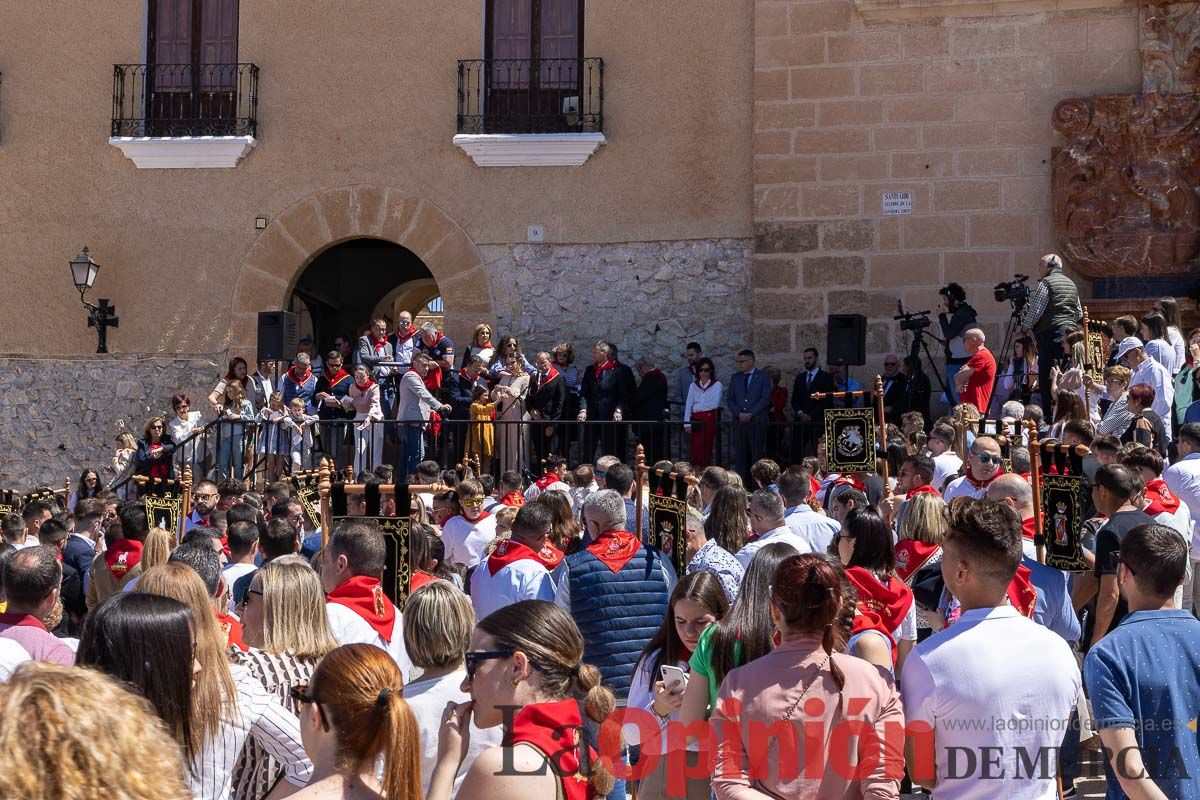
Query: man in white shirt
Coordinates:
[1183,478]
[984,465]
[468,534]
[767,520]
[204,502]
[359,610]
[814,527]
[242,539]
[1148,371]
[519,568]
[33,514]
[946,462]
[993,693]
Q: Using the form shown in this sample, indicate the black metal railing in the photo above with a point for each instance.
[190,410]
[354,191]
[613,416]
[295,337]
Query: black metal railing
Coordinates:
[185,100]
[524,95]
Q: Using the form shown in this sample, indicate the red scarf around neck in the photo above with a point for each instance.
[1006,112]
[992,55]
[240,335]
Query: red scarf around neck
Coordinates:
[336,377]
[600,369]
[1022,593]
[1161,498]
[550,375]
[295,378]
[365,387]
[1029,528]
[870,621]
[982,484]
[123,557]
[420,578]
[233,631]
[911,555]
[851,480]
[556,730]
[926,489]
[704,387]
[546,480]
[890,601]
[379,344]
[513,500]
[510,552]
[615,548]
[402,338]
[364,596]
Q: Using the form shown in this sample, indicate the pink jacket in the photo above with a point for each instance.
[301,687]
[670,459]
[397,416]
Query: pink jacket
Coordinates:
[836,746]
[365,404]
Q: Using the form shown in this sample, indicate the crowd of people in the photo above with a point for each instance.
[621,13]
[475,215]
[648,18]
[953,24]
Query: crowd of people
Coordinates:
[823,635]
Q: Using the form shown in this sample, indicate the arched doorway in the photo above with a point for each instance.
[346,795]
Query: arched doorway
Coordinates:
[387,279]
[278,261]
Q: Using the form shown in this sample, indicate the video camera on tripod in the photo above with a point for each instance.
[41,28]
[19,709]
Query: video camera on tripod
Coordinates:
[1015,291]
[913,320]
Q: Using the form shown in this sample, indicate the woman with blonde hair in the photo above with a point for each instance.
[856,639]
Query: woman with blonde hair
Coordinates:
[229,705]
[354,718]
[481,345]
[919,554]
[525,672]
[285,623]
[438,621]
[156,550]
[153,457]
[75,734]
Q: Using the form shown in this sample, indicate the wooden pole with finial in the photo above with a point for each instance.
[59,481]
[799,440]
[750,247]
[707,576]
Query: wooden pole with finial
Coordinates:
[1035,478]
[639,481]
[879,410]
[1087,357]
[185,503]
[324,487]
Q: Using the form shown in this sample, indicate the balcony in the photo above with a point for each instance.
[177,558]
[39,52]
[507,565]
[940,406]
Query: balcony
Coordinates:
[185,116]
[530,112]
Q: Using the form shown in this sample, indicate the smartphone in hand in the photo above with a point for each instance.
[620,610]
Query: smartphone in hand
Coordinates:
[674,678]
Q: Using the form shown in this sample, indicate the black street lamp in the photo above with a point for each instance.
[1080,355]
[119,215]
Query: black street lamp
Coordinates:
[103,316]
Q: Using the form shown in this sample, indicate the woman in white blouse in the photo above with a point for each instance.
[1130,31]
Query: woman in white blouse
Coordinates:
[1154,334]
[1168,309]
[363,399]
[700,412]
[181,426]
[509,397]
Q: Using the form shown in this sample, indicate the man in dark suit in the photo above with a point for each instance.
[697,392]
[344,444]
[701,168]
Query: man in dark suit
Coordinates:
[810,414]
[650,405]
[748,398]
[80,547]
[895,400]
[605,395]
[547,396]
[459,392]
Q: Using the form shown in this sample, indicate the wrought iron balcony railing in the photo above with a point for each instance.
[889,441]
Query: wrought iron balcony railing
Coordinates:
[185,100]
[523,95]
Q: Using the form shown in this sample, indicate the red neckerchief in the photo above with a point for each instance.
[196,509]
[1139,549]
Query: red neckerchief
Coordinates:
[233,631]
[1026,476]
[605,367]
[293,376]
[814,486]
[546,480]
[158,467]
[870,621]
[229,376]
[21,621]
[926,489]
[615,548]
[556,730]
[402,338]
[463,374]
[513,500]
[1022,593]
[1161,498]
[510,552]
[911,555]
[123,556]
[890,601]
[1029,528]
[551,374]
[420,578]
[379,344]
[982,484]
[336,377]
[364,596]
[365,387]
[704,388]
[851,480]
[653,371]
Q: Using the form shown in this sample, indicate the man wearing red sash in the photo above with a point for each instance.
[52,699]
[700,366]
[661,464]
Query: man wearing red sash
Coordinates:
[519,568]
[359,610]
[547,398]
[556,472]
[984,465]
[332,386]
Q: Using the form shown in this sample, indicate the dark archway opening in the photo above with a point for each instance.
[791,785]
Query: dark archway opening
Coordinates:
[348,284]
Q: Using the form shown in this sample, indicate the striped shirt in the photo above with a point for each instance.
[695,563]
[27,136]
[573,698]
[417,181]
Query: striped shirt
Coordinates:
[257,771]
[258,716]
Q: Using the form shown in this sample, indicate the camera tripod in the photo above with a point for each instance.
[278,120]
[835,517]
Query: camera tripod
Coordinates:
[1010,342]
[914,354]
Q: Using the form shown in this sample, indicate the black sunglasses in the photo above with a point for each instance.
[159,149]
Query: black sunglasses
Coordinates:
[837,537]
[302,696]
[472,659]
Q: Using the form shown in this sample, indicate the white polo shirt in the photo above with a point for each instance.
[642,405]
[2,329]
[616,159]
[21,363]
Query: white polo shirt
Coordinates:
[349,628]
[962,487]
[815,528]
[465,540]
[944,466]
[1183,478]
[998,690]
[781,534]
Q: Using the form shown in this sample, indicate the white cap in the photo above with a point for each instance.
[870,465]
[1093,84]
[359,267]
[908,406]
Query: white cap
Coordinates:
[1127,344]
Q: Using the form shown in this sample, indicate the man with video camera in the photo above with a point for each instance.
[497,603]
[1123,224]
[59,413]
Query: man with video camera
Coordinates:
[1052,309]
[957,317]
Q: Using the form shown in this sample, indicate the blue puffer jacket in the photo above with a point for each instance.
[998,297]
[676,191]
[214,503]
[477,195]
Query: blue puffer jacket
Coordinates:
[618,613]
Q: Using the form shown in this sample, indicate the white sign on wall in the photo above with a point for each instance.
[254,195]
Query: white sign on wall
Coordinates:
[897,203]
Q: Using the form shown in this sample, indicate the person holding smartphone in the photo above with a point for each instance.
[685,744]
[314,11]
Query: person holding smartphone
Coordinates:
[661,675]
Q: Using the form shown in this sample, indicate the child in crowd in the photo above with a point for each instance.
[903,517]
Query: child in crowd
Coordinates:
[299,425]
[235,413]
[470,531]
[481,441]
[271,439]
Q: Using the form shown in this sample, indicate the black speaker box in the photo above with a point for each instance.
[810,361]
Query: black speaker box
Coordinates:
[278,335]
[846,344]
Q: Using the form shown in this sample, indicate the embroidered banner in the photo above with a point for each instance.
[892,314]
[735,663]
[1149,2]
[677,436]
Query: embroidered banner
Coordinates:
[397,568]
[163,511]
[850,439]
[1062,522]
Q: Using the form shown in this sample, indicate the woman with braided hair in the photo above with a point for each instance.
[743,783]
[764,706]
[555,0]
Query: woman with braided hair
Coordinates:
[804,685]
[525,671]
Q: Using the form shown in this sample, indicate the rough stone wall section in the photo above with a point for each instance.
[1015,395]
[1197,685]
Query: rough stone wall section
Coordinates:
[61,414]
[646,297]
[955,111]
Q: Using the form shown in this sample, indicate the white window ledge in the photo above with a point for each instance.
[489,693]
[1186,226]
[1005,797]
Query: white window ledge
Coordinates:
[529,149]
[184,152]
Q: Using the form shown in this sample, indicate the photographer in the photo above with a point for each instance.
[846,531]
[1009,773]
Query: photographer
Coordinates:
[957,317]
[1053,308]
